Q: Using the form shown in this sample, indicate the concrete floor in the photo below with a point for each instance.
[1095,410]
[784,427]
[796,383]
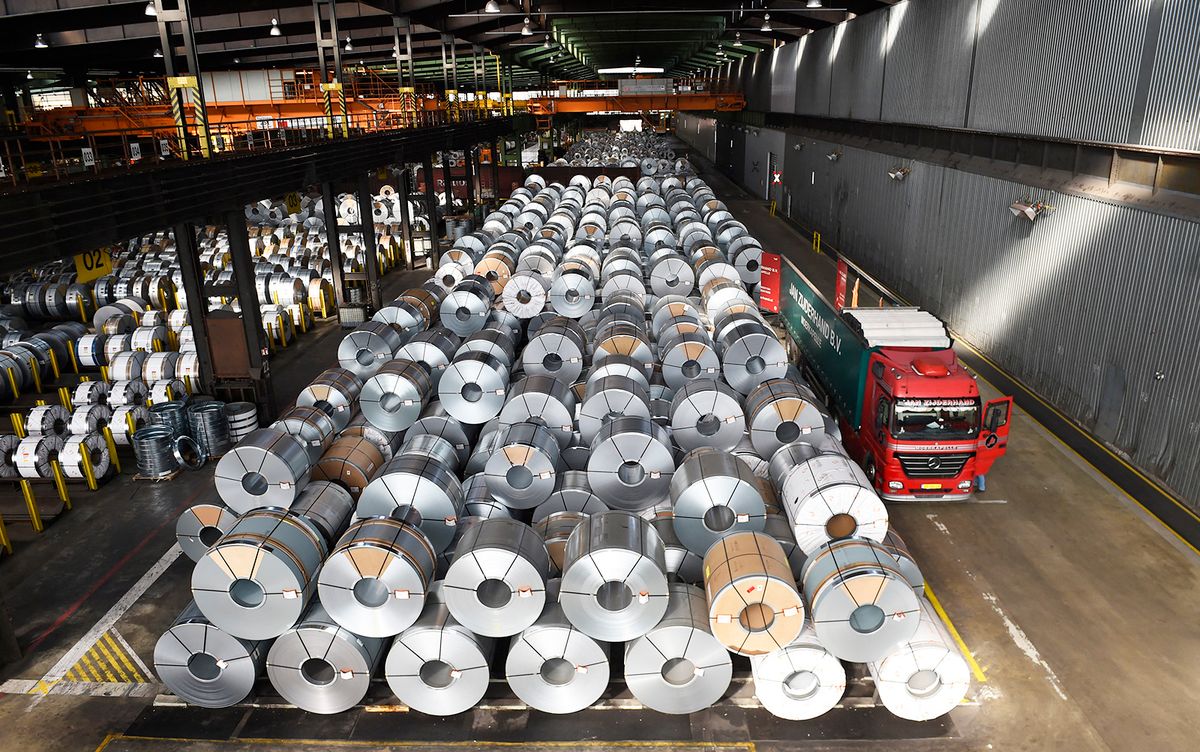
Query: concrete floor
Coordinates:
[1079,610]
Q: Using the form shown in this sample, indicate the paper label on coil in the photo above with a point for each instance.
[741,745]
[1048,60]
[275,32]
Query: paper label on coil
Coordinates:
[499,392]
[790,611]
[581,669]
[400,595]
[291,595]
[731,419]
[724,619]
[643,597]
[455,673]
[743,518]
[545,475]
[450,521]
[524,592]
[654,474]
[222,663]
[899,616]
[347,673]
[284,485]
[342,408]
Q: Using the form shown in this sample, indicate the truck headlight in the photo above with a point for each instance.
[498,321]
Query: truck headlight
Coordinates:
[895,485]
[964,485]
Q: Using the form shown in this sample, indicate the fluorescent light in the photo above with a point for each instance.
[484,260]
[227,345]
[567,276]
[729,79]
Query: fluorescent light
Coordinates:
[150,10]
[275,32]
[766,22]
[813,4]
[158,53]
[40,43]
[627,69]
[491,7]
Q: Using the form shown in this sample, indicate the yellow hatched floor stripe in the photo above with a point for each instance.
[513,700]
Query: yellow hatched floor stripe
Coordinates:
[106,661]
[116,648]
[408,744]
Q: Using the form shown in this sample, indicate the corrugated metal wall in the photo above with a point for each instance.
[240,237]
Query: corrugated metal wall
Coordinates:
[1086,71]
[1087,305]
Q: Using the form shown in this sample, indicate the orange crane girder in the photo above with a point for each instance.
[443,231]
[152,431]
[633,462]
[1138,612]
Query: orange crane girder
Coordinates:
[637,103]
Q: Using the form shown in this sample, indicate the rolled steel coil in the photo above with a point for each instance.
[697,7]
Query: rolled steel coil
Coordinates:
[128,393]
[89,350]
[797,453]
[363,351]
[51,420]
[205,665]
[552,665]
[614,584]
[779,411]
[312,427]
[326,506]
[437,666]
[387,442]
[862,606]
[753,604]
[200,526]
[173,415]
[618,365]
[422,484]
[608,398]
[464,310]
[572,290]
[149,338]
[497,581]
[350,462]
[243,419]
[71,456]
[259,577]
[478,500]
[707,413]
[559,349]
[154,451]
[393,398]
[555,530]
[268,468]
[375,580]
[473,387]
[778,528]
[624,339]
[90,393]
[631,463]
[521,472]
[751,354]
[90,418]
[126,421]
[166,391]
[925,676]
[801,680]
[829,497]
[321,667]
[127,366]
[114,345]
[682,564]
[333,391]
[688,356]
[432,349]
[904,559]
[209,426]
[678,666]
[543,400]
[714,494]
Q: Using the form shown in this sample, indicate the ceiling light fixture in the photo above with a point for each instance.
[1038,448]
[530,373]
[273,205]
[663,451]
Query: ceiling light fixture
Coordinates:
[833,156]
[546,43]
[766,22]
[275,32]
[737,38]
[899,173]
[158,53]
[150,9]
[1025,207]
[491,7]
[526,30]
[237,61]
[29,75]
[349,47]
[40,43]
[813,4]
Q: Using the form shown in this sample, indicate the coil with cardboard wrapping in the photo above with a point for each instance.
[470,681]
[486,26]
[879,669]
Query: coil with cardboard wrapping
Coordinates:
[753,604]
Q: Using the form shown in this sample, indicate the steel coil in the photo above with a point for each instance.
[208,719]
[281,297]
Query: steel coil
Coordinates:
[126,421]
[829,497]
[896,546]
[796,453]
[779,412]
[631,463]
[89,350]
[555,530]
[320,667]
[678,666]
[312,427]
[375,580]
[51,420]
[437,666]
[614,584]
[154,451]
[925,676]
[552,665]
[543,400]
[682,564]
[259,577]
[559,349]
[363,351]
[421,484]
[200,526]
[433,349]
[393,398]
[473,387]
[71,456]
[333,391]
[90,393]
[751,354]
[800,681]
[160,366]
[350,462]
[496,583]
[753,604]
[714,494]
[205,665]
[435,421]
[707,413]
[608,398]
[243,419]
[521,472]
[465,308]
[572,493]
[127,393]
[862,606]
[268,468]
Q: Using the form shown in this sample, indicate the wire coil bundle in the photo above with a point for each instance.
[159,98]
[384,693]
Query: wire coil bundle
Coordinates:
[209,426]
[154,451]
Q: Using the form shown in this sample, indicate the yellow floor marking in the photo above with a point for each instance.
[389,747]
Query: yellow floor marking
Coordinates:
[407,744]
[112,661]
[90,668]
[976,669]
[116,648]
[103,664]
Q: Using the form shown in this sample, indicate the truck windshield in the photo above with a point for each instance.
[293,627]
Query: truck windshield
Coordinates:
[935,419]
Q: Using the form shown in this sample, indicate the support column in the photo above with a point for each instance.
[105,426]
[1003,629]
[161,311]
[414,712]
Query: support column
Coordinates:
[197,301]
[405,219]
[448,180]
[371,264]
[330,85]
[252,324]
[334,241]
[470,171]
[496,173]
[431,207]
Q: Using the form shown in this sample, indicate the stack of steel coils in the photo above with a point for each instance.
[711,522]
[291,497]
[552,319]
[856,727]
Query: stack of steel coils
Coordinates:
[580,436]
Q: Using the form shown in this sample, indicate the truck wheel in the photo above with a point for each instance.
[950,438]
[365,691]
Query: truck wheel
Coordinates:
[869,469]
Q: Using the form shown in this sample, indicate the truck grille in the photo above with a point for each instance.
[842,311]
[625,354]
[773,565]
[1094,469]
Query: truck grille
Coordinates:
[933,465]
